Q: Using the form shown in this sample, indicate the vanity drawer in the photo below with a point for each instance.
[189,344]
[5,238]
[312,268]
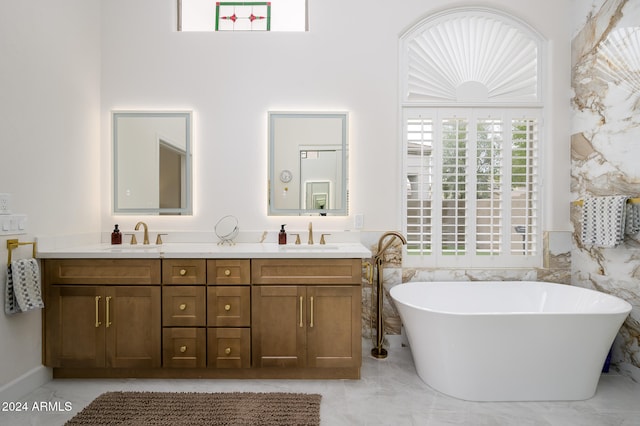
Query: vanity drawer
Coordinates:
[184,347]
[184,306]
[306,271]
[228,271]
[102,271]
[184,271]
[229,306]
[228,348]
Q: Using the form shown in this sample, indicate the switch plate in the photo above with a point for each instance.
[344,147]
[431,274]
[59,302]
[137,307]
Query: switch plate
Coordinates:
[5,203]
[13,224]
[358,221]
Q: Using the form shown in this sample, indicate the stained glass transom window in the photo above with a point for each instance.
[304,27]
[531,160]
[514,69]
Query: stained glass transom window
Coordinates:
[243,16]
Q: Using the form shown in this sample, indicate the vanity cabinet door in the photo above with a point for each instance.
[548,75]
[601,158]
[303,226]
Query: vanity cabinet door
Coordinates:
[103,326]
[74,333]
[334,328]
[279,328]
[132,327]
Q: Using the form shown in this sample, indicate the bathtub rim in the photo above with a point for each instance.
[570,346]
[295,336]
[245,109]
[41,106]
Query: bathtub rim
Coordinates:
[624,306]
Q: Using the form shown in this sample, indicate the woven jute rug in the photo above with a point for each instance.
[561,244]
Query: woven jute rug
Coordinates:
[195,409]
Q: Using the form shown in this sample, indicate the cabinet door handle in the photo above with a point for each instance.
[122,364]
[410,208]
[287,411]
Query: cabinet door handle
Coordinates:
[107,311]
[97,313]
[227,272]
[183,272]
[227,307]
[227,351]
[311,323]
[183,306]
[183,348]
[301,306]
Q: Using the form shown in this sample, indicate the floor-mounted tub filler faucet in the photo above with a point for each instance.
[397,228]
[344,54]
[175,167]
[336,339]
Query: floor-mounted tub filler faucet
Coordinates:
[378,351]
[146,232]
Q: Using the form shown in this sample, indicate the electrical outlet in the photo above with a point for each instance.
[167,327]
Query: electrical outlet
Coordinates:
[5,203]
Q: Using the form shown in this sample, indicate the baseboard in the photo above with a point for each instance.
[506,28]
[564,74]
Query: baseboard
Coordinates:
[25,384]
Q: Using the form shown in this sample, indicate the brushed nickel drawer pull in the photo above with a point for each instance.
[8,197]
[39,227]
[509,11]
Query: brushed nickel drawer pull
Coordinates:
[227,272]
[98,323]
[311,323]
[183,272]
[183,306]
[227,307]
[227,351]
[183,348]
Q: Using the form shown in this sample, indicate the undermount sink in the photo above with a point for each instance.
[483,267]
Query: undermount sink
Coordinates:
[133,246]
[309,247]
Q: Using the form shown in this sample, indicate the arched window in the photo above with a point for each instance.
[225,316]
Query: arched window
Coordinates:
[471,100]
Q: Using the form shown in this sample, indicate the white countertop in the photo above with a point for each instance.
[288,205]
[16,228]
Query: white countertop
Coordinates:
[208,250]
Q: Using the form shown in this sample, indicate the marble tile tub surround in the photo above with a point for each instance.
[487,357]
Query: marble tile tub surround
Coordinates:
[605,153]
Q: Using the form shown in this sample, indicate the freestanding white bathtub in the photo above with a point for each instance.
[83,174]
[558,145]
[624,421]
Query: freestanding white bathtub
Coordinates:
[509,341]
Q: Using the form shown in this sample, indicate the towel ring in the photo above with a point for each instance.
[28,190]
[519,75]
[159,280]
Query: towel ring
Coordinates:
[14,243]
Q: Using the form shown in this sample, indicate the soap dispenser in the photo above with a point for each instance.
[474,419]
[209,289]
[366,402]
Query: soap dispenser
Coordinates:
[116,236]
[282,236]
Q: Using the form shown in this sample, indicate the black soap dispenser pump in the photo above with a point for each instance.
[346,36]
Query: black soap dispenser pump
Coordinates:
[282,236]
[116,236]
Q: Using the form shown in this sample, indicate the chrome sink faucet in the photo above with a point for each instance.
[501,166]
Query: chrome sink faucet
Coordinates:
[146,231]
[310,241]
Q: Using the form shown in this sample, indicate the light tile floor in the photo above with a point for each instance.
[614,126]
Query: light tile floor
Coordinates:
[389,393]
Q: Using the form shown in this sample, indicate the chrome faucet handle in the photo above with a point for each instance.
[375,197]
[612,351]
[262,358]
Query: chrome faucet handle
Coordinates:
[159,239]
[322,241]
[297,238]
[134,241]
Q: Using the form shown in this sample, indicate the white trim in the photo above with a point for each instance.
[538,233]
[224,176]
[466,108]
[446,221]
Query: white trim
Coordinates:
[25,384]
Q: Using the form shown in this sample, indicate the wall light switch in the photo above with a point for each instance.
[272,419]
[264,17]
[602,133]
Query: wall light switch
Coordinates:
[5,203]
[13,224]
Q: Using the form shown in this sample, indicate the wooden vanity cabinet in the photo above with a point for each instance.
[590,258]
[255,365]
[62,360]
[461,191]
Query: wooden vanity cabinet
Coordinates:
[102,313]
[215,318]
[307,314]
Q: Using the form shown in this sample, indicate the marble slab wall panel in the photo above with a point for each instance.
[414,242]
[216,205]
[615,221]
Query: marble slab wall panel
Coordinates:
[605,153]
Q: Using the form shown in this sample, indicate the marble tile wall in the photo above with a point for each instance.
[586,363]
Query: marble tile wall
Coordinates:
[605,153]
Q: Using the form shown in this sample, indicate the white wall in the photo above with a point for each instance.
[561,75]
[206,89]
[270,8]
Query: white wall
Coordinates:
[67,64]
[49,139]
[347,61]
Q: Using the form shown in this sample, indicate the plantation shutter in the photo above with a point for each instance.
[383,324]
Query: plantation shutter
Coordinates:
[472,185]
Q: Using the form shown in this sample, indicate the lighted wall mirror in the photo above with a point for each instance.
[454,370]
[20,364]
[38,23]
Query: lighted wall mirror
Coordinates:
[308,154]
[152,162]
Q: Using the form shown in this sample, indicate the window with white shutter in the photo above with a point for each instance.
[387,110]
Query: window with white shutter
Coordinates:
[472,187]
[472,114]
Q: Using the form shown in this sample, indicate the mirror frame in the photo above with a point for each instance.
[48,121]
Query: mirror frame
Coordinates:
[188,168]
[273,117]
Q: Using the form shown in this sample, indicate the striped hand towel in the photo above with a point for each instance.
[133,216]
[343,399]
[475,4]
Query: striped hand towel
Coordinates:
[603,220]
[22,290]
